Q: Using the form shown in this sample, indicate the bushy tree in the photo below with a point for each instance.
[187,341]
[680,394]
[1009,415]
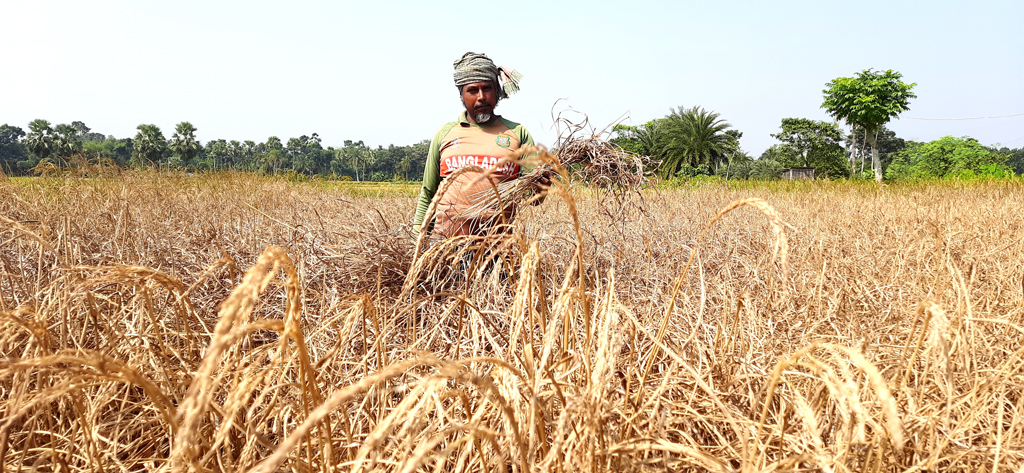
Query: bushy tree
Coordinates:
[118,150]
[12,150]
[641,139]
[868,101]
[1014,157]
[947,157]
[812,143]
[85,134]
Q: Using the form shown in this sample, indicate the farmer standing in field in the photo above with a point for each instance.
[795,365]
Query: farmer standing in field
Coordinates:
[478,138]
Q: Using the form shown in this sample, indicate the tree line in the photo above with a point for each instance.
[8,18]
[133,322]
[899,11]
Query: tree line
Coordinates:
[687,142]
[694,141]
[62,145]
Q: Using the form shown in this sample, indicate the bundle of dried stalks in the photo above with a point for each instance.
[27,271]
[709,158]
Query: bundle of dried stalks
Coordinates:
[590,156]
[369,260]
[582,154]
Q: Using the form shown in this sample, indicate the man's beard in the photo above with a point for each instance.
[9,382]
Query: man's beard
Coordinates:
[482,117]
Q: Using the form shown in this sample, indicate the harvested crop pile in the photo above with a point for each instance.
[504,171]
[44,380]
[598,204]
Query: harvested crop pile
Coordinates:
[227,322]
[582,155]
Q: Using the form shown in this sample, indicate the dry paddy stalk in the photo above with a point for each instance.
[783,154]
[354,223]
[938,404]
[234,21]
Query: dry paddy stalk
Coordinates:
[145,325]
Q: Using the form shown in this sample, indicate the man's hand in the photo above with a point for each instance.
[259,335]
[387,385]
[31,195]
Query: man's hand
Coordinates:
[544,180]
[541,184]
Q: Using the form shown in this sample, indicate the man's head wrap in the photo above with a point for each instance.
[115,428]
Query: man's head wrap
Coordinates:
[473,67]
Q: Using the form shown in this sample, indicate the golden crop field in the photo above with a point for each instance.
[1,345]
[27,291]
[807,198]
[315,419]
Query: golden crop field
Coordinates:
[238,323]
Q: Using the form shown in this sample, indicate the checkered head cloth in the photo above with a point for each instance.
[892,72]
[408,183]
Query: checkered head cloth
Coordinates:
[474,67]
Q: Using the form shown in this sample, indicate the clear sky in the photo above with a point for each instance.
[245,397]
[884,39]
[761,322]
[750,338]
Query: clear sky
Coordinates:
[382,71]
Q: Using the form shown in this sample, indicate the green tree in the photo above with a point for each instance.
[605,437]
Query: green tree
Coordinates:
[947,157]
[39,139]
[1015,159]
[888,145]
[216,154]
[766,169]
[769,165]
[642,139]
[247,155]
[85,134]
[811,143]
[274,159]
[297,154]
[118,150]
[66,141]
[692,137]
[184,144]
[734,154]
[235,153]
[405,165]
[270,154]
[868,101]
[12,150]
[149,145]
[355,154]
[307,155]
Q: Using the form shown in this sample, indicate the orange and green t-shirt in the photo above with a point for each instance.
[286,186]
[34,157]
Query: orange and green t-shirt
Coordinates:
[463,143]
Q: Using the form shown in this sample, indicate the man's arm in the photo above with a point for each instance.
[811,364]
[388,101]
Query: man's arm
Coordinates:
[525,139]
[431,180]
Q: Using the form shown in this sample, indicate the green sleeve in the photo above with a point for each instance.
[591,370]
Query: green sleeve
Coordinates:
[431,178]
[525,139]
[524,136]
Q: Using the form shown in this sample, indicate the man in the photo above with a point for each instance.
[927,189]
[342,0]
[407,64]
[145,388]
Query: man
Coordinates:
[478,138]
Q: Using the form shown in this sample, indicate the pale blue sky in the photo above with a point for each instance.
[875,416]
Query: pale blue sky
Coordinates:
[381,71]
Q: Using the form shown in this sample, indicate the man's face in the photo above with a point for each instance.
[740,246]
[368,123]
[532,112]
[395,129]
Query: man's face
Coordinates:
[480,98]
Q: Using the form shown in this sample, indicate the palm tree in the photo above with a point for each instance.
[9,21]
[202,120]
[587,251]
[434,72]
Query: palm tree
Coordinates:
[184,143]
[149,145]
[694,137]
[65,141]
[40,138]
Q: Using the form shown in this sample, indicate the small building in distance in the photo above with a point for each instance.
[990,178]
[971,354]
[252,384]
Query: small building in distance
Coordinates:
[798,173]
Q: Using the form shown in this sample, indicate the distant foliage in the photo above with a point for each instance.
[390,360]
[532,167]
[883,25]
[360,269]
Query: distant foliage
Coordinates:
[150,146]
[948,157]
[64,145]
[12,149]
[183,143]
[692,141]
[811,143]
[1014,159]
[687,142]
[868,101]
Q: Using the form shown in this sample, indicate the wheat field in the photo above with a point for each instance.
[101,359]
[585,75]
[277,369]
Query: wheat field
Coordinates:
[230,322]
